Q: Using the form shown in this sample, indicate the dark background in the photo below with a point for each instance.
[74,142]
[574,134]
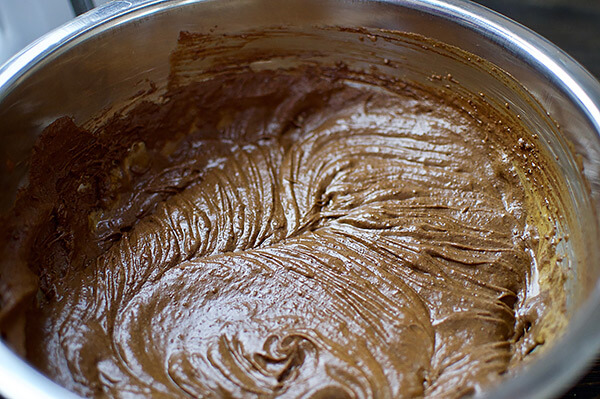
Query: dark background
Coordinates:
[574,26]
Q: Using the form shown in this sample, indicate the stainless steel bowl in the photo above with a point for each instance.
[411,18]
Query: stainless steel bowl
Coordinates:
[103,58]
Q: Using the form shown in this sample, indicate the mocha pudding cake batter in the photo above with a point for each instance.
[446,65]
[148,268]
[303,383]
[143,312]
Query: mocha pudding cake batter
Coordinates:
[308,232]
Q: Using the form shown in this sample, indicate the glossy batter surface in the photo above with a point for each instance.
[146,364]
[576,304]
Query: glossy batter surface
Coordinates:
[310,232]
[374,247]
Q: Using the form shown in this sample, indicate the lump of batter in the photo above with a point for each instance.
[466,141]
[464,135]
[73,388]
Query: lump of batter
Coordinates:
[276,233]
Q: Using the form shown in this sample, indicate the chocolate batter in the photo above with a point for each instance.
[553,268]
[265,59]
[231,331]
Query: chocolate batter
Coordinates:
[306,232]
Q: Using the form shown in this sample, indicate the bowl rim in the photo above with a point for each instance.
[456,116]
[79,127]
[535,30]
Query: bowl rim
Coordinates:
[561,364]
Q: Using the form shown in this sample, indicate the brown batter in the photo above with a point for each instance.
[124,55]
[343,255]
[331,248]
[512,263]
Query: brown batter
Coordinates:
[299,233]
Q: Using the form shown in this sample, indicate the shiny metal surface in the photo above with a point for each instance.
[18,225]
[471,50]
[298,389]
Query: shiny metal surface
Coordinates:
[101,59]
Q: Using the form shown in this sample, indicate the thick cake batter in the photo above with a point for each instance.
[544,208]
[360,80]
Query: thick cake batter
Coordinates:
[294,233]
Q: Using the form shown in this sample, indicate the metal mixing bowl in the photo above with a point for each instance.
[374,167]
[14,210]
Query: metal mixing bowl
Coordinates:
[103,58]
